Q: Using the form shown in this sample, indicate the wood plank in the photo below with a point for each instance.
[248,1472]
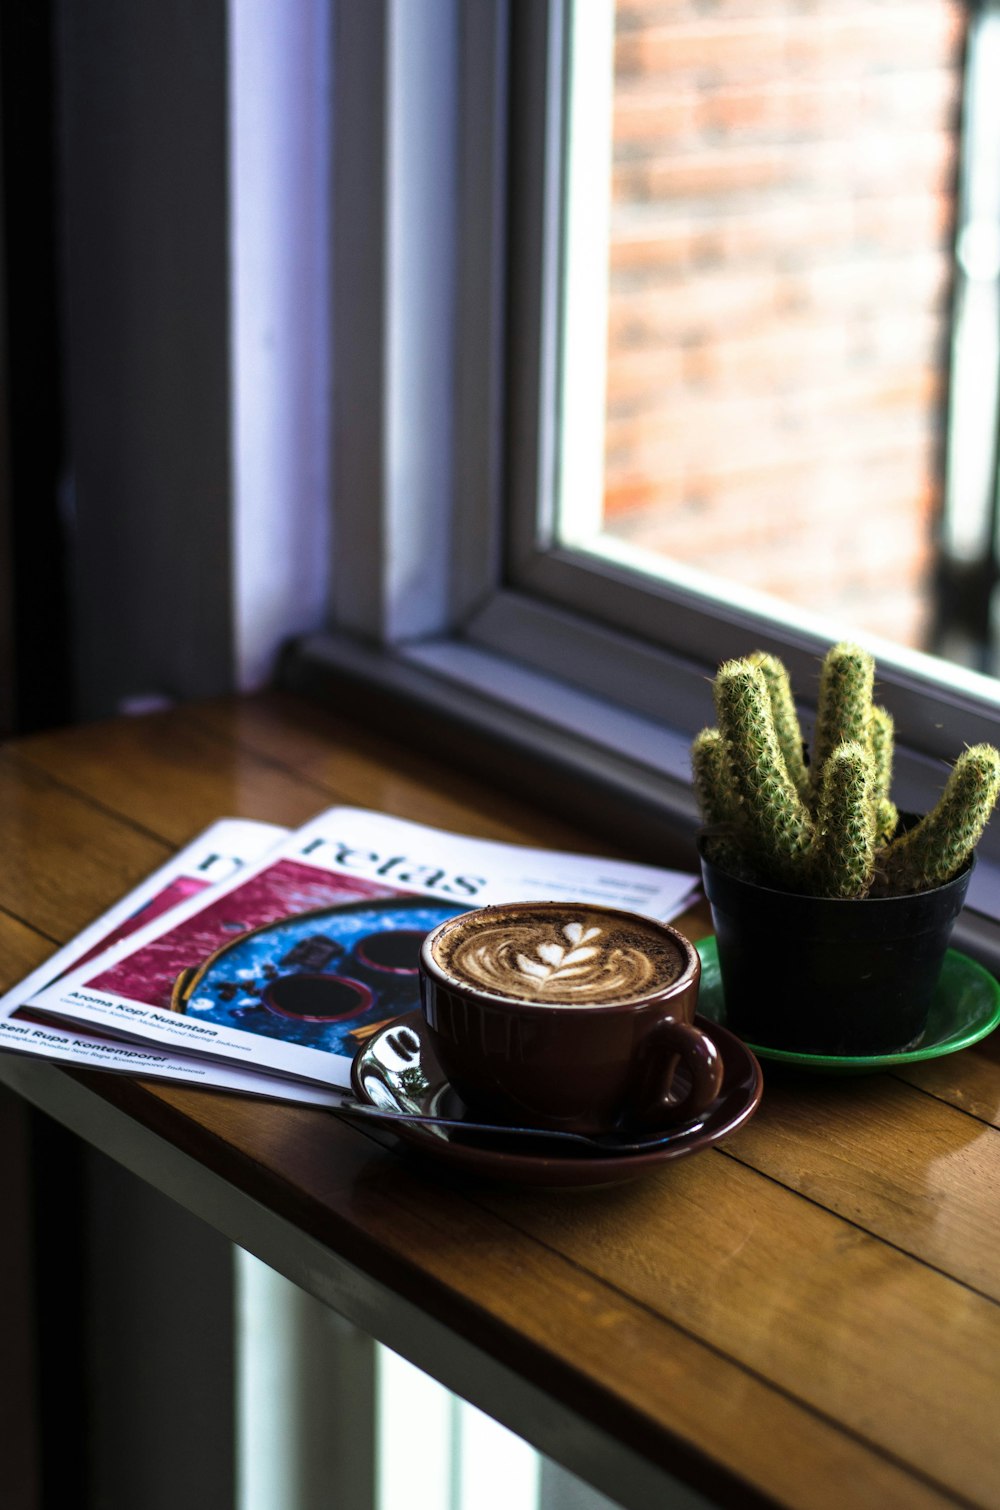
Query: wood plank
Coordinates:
[65,861]
[933,1190]
[904,1357]
[367,769]
[624,1362]
[969,1080]
[171,776]
[21,951]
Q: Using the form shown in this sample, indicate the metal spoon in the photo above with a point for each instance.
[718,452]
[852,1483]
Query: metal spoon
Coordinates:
[609,1143]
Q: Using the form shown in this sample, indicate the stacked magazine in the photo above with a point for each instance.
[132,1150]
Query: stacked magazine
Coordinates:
[260,961]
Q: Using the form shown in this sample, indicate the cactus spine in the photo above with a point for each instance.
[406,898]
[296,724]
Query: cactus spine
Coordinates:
[828,827]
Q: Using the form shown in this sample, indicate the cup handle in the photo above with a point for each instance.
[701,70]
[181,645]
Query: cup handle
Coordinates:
[656,1105]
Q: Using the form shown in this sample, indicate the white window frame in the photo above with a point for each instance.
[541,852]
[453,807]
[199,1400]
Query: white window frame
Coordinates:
[444,413]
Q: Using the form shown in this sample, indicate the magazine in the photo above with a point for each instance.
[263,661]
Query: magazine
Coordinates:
[213,857]
[293,963]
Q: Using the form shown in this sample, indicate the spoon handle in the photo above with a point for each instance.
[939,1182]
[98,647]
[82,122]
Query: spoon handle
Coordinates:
[609,1143]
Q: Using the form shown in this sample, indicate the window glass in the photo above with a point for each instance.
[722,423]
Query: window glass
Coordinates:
[761,203]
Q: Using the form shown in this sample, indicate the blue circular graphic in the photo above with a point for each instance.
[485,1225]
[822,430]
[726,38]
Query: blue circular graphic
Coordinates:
[323,979]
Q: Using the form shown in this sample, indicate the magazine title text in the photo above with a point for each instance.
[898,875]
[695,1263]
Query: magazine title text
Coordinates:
[398,868]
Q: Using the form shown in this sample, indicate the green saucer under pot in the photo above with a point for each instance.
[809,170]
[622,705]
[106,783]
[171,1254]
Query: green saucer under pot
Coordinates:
[965,1007]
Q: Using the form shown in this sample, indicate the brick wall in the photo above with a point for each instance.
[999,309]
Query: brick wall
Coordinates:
[782,207]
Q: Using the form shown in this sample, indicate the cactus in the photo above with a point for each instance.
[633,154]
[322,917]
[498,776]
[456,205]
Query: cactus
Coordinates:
[712,783]
[786,720]
[769,809]
[829,828]
[845,705]
[842,860]
[941,843]
[713,787]
[882,736]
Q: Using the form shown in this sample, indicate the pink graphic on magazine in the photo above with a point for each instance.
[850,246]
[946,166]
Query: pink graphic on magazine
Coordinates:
[284,888]
[176,891]
[172,895]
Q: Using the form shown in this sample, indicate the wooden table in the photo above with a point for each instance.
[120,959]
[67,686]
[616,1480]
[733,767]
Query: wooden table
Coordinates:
[806,1315]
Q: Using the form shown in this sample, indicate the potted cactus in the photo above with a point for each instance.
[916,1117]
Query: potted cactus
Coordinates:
[832,913]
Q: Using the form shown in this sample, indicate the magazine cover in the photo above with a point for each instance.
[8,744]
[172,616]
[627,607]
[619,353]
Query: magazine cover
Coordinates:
[215,856]
[289,966]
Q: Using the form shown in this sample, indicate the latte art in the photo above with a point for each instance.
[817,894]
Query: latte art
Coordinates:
[570,957]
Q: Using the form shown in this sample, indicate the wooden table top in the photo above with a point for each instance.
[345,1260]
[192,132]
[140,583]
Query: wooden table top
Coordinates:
[806,1314]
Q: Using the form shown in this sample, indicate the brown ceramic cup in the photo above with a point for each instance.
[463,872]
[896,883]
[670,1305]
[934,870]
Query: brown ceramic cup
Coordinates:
[568,1015]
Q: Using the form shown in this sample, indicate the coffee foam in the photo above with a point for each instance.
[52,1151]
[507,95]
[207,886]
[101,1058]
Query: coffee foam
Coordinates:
[570,957]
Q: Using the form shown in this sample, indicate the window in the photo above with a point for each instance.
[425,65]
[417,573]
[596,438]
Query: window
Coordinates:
[468,343]
[560,546]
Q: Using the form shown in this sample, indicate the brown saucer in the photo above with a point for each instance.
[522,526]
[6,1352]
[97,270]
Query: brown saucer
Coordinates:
[396,1071]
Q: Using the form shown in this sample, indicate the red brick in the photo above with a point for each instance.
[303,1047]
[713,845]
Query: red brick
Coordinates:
[794,355]
[875,163]
[895,36]
[730,303]
[921,281]
[725,500]
[770,378]
[779,276]
[649,113]
[717,301]
[648,240]
[831,561]
[692,434]
[888,467]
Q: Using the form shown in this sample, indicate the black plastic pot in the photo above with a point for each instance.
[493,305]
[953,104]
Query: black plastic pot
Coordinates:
[820,975]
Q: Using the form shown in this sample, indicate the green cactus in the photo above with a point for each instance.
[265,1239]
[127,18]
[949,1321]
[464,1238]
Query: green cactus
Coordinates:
[882,739]
[829,828]
[940,844]
[786,720]
[845,705]
[712,782]
[715,793]
[842,860]
[770,810]
[886,819]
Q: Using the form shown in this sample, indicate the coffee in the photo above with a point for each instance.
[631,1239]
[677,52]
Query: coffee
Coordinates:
[561,956]
[567,1015]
